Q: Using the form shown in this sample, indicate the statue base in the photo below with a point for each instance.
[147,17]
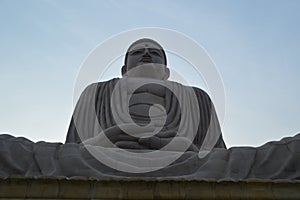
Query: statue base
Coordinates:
[149,188]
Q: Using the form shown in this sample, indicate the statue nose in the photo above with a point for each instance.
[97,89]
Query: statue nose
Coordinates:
[146,53]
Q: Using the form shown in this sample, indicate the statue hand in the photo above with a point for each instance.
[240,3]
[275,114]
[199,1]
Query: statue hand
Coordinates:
[178,143]
[109,137]
[130,145]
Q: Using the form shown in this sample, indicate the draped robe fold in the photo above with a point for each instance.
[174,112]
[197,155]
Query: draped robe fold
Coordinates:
[93,112]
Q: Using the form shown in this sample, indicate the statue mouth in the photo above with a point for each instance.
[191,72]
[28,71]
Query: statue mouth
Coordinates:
[146,60]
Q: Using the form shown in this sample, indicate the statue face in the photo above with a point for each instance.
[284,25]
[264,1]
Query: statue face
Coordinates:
[144,52]
[144,55]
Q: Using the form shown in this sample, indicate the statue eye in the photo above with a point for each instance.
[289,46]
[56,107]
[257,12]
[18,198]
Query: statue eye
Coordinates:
[136,52]
[155,52]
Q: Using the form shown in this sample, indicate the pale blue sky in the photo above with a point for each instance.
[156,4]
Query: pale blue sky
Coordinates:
[255,45]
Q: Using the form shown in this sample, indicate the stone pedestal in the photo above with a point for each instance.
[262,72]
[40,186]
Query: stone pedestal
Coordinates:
[138,188]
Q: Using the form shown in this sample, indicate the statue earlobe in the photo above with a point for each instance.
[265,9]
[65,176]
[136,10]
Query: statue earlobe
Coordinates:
[167,74]
[123,70]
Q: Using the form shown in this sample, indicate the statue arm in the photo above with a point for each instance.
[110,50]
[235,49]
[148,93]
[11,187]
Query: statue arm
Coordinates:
[84,116]
[72,134]
[209,123]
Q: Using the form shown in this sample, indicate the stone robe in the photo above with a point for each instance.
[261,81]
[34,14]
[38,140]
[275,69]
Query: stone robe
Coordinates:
[93,112]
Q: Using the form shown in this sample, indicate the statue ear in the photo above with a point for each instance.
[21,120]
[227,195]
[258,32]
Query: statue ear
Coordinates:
[123,70]
[167,74]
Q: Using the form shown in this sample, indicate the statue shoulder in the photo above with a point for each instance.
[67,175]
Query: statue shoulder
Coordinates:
[96,85]
[201,93]
[94,88]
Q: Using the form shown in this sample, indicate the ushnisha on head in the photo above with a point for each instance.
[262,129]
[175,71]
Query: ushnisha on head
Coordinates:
[146,58]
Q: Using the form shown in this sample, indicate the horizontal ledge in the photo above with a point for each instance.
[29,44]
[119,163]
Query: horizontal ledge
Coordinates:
[146,188]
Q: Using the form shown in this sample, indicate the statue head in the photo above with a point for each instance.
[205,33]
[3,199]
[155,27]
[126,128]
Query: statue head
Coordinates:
[146,58]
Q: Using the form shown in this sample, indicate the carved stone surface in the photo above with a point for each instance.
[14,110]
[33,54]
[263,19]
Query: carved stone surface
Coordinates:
[186,119]
[93,112]
[274,160]
[80,188]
